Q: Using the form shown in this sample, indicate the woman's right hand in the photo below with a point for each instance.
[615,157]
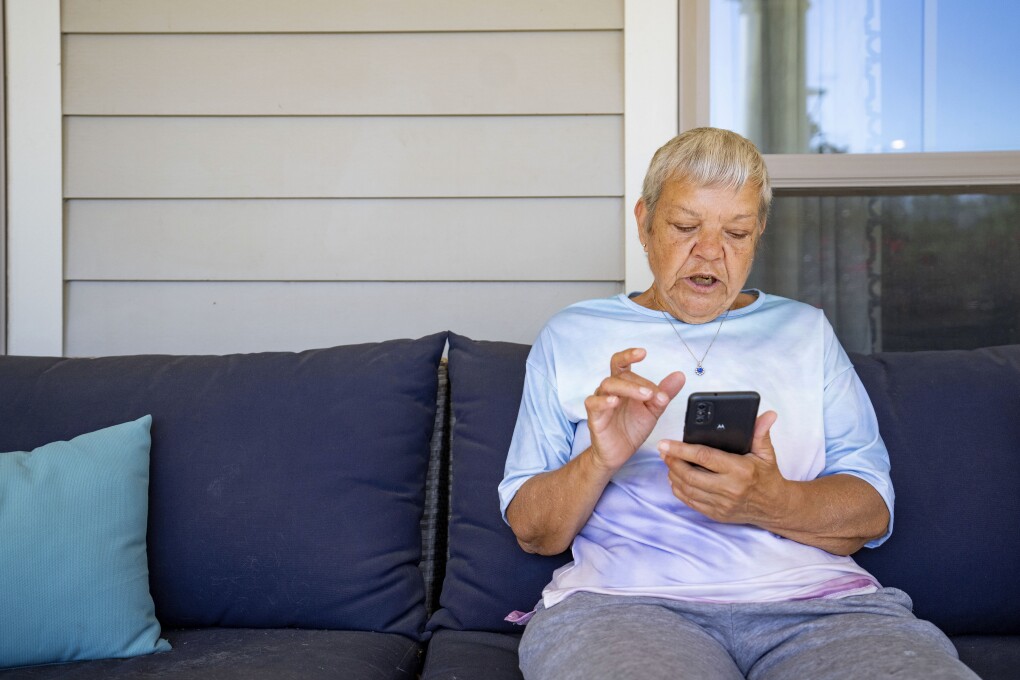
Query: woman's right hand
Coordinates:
[624,409]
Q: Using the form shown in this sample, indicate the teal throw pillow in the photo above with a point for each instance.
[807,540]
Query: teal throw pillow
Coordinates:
[74,575]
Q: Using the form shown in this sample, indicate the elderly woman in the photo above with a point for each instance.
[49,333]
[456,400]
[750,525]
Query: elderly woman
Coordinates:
[690,561]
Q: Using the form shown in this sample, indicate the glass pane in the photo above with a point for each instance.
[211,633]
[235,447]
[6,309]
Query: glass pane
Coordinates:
[867,76]
[929,271]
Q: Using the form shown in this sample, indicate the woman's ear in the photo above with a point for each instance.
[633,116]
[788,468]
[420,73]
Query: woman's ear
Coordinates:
[640,215]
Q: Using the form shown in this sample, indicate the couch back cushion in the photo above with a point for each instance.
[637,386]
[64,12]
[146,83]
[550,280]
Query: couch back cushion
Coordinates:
[951,421]
[487,575]
[286,489]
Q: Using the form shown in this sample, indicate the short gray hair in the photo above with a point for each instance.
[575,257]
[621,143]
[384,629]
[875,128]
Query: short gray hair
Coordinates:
[707,157]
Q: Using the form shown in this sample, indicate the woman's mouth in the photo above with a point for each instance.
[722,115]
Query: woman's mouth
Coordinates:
[703,280]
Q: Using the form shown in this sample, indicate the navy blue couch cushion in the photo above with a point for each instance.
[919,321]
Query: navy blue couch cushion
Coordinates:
[993,657]
[468,654]
[286,489]
[252,654]
[487,575]
[951,420]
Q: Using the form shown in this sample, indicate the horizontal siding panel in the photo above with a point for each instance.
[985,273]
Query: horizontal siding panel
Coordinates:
[370,240]
[222,157]
[106,318]
[386,74]
[226,16]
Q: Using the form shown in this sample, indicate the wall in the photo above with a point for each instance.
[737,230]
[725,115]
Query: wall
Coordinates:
[248,175]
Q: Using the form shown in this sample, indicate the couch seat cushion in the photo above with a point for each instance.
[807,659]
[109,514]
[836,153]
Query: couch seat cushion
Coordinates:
[466,654]
[993,657]
[248,654]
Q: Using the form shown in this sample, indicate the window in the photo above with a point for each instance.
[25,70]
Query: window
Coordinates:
[896,271]
[867,76]
[887,128]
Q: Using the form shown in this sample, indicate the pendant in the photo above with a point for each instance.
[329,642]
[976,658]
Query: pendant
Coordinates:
[699,370]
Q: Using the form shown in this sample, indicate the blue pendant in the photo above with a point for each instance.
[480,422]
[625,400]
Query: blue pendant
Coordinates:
[699,371]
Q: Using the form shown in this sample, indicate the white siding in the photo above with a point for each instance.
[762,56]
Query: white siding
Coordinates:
[220,318]
[279,174]
[304,16]
[333,156]
[345,239]
[348,74]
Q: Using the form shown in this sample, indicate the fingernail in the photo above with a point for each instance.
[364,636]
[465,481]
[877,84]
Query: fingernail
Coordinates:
[646,392]
[663,447]
[661,398]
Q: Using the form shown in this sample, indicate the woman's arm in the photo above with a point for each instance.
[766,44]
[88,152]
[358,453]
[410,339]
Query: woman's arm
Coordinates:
[551,508]
[838,513]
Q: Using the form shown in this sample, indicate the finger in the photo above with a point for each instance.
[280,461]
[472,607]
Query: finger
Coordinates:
[673,383]
[695,482]
[696,454]
[761,443]
[690,494]
[666,450]
[707,493]
[667,391]
[695,487]
[621,361]
[600,409]
[628,386]
[682,473]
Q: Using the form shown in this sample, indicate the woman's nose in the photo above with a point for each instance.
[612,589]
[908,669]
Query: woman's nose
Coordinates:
[709,245]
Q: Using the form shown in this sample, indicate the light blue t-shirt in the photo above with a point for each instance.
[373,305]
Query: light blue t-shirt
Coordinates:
[641,540]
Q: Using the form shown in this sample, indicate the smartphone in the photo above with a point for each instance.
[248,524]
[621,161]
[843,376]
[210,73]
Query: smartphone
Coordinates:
[722,420]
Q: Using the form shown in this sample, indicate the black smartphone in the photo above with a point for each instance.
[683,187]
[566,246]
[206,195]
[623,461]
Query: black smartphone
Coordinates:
[722,420]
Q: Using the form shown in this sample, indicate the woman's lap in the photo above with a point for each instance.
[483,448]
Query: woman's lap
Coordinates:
[593,636]
[590,636]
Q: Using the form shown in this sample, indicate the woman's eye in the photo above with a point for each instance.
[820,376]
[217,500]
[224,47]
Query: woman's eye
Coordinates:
[739,235]
[685,228]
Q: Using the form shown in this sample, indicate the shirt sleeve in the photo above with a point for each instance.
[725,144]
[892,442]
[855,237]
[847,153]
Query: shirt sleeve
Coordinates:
[543,434]
[853,444]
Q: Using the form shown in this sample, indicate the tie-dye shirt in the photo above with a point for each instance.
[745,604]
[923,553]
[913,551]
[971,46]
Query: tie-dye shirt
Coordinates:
[641,540]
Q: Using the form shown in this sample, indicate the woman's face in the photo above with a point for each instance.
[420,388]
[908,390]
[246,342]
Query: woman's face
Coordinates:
[700,247]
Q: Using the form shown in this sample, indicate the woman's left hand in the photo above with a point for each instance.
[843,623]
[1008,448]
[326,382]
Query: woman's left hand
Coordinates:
[736,489]
[838,513]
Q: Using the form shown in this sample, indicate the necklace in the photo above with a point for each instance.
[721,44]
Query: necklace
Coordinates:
[699,370]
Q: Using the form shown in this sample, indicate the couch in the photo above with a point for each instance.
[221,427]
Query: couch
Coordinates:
[332,513]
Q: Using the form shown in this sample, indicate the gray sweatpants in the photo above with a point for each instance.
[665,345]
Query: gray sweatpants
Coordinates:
[864,636]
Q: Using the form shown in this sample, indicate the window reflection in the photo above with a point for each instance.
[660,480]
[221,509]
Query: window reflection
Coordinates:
[867,76]
[900,272]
